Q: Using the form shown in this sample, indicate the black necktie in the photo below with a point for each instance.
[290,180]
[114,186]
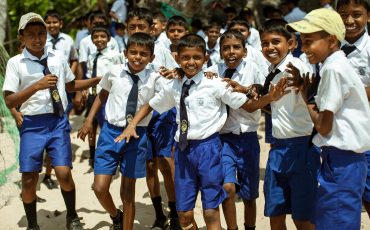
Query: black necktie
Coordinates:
[132,98]
[184,125]
[268,80]
[228,74]
[347,49]
[54,94]
[54,41]
[312,90]
[93,74]
[209,62]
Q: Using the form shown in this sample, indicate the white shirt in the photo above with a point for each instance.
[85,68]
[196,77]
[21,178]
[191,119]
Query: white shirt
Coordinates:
[105,61]
[118,83]
[296,14]
[163,57]
[239,120]
[79,36]
[254,39]
[214,56]
[162,38]
[205,104]
[22,72]
[257,56]
[65,45]
[121,41]
[341,92]
[120,8]
[290,117]
[360,58]
[87,47]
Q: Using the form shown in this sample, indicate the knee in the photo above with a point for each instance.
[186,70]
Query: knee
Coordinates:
[100,191]
[186,219]
[249,203]
[230,189]
[29,181]
[165,167]
[210,216]
[151,168]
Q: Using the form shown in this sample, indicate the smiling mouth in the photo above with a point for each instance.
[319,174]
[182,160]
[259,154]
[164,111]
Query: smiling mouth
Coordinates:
[272,55]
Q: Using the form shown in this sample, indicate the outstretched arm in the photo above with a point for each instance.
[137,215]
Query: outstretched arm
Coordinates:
[130,130]
[77,85]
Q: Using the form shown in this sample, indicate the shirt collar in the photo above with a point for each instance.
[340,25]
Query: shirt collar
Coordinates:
[334,56]
[197,78]
[360,43]
[282,65]
[103,51]
[142,74]
[49,37]
[238,68]
[27,55]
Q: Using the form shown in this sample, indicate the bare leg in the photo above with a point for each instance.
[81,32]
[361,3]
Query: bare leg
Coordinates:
[229,207]
[101,190]
[304,225]
[187,220]
[128,200]
[250,213]
[278,222]
[212,219]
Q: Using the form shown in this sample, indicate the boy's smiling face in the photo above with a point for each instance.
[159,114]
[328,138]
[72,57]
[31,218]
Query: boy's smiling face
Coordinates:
[138,56]
[191,60]
[175,33]
[318,46]
[136,25]
[100,39]
[232,51]
[275,47]
[34,39]
[355,18]
[53,25]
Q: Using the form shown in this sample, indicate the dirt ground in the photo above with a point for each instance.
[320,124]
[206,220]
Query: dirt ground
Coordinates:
[51,214]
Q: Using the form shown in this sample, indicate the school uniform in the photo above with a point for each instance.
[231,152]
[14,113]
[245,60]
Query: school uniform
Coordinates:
[198,165]
[41,128]
[254,39]
[79,36]
[214,54]
[241,149]
[343,171]
[87,47]
[105,60]
[131,157]
[121,41]
[162,38]
[257,56]
[290,184]
[163,57]
[360,60]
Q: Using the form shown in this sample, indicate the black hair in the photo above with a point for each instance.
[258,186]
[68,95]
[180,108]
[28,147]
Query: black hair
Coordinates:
[276,26]
[160,16]
[232,34]
[100,29]
[118,26]
[213,24]
[196,23]
[238,21]
[141,13]
[98,14]
[294,2]
[191,40]
[53,13]
[32,24]
[230,9]
[176,20]
[141,39]
[364,3]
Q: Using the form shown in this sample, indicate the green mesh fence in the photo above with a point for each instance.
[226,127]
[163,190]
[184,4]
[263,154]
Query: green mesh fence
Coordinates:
[7,121]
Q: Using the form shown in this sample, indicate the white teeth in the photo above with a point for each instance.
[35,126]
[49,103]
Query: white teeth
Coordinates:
[272,55]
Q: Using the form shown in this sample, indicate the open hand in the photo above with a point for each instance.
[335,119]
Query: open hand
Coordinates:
[127,134]
[85,130]
[295,80]
[278,91]
[236,87]
[171,73]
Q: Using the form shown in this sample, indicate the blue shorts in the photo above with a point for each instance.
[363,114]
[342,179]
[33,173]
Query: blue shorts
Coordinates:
[199,167]
[290,186]
[131,157]
[268,129]
[342,181]
[240,160]
[44,132]
[161,133]
[366,195]
[100,115]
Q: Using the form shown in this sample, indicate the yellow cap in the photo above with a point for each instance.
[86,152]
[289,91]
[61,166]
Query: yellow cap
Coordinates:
[29,17]
[321,19]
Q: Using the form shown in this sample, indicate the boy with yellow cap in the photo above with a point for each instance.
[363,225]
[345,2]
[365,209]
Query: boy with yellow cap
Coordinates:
[341,116]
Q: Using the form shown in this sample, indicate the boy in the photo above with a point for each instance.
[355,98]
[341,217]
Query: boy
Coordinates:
[120,36]
[99,63]
[198,156]
[355,15]
[212,46]
[159,29]
[241,150]
[36,81]
[57,40]
[176,28]
[125,88]
[290,187]
[341,118]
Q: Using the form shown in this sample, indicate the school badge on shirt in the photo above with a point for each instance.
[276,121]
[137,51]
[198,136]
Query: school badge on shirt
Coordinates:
[184,126]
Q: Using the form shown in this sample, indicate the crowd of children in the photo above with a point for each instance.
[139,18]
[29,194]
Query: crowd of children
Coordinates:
[190,104]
